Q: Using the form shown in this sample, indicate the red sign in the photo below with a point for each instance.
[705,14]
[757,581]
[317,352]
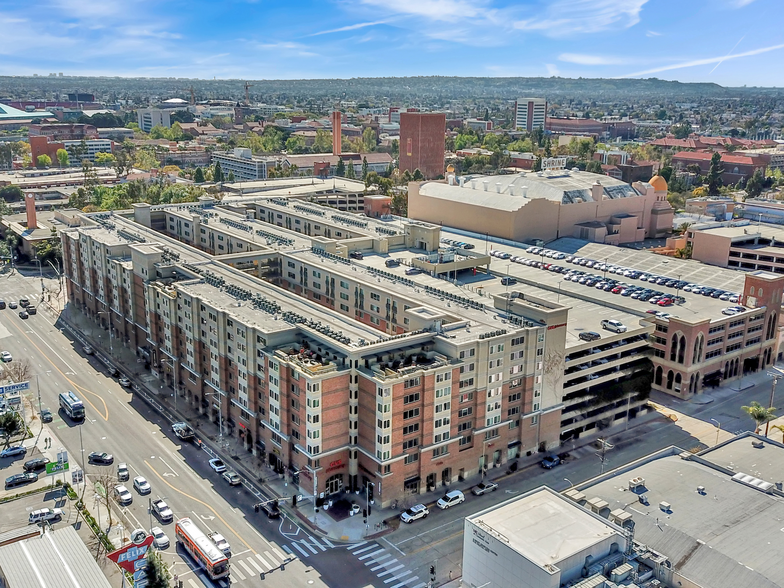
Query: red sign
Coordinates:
[551,327]
[131,557]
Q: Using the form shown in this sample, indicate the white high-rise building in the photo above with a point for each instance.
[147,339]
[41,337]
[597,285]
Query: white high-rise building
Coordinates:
[151,117]
[530,113]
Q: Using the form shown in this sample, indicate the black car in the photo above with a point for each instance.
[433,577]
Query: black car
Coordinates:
[24,302]
[271,509]
[100,458]
[589,336]
[32,309]
[2,304]
[46,415]
[20,479]
[391,263]
[33,465]
[23,314]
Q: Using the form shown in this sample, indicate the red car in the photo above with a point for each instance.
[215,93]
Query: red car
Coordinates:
[665,302]
[617,290]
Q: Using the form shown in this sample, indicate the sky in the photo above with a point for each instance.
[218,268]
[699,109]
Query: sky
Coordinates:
[729,42]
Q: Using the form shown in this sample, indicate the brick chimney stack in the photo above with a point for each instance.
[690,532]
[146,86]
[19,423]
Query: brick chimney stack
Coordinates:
[337,125]
[32,221]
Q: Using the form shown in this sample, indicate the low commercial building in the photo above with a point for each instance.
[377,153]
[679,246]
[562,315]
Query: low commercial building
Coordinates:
[243,164]
[65,132]
[547,205]
[736,167]
[77,150]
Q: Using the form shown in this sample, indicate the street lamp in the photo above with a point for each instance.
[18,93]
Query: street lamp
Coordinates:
[570,483]
[776,374]
[718,428]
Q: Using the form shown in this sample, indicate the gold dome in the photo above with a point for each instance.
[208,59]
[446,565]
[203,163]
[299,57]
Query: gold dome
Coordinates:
[659,183]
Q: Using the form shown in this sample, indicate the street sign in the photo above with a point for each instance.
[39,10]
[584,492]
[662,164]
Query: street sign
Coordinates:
[77,476]
[55,467]
[62,456]
[18,387]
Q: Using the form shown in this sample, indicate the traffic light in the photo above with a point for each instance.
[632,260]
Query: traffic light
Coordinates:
[256,507]
[294,500]
[365,512]
[433,571]
[369,510]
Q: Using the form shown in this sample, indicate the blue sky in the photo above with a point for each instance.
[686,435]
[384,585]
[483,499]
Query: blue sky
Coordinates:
[730,42]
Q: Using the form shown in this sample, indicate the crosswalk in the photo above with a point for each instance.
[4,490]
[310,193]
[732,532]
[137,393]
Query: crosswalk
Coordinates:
[252,565]
[389,570]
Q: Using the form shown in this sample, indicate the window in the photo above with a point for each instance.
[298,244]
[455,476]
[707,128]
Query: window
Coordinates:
[410,443]
[411,429]
[344,285]
[410,414]
[515,397]
[464,426]
[412,382]
[466,396]
[375,296]
[439,451]
[409,398]
[411,458]
[441,422]
[466,383]
[513,411]
[442,407]
[464,412]
[517,341]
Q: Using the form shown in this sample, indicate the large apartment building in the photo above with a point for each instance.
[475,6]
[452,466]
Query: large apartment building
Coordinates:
[281,321]
[530,114]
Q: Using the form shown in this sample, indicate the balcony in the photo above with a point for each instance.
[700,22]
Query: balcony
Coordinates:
[307,361]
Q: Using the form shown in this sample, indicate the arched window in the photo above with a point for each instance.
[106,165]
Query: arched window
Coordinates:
[673,347]
[678,380]
[698,342]
[751,292]
[682,350]
[658,377]
[670,377]
[735,169]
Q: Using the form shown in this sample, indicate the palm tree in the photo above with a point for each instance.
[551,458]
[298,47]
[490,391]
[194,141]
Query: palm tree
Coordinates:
[760,414]
[781,429]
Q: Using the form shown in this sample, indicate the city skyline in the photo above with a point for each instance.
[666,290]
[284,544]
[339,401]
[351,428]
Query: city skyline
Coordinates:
[730,42]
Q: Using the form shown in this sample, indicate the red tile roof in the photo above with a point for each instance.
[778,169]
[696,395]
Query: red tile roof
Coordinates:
[725,158]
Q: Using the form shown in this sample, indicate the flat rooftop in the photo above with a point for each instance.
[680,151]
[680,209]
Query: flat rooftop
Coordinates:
[544,527]
[727,536]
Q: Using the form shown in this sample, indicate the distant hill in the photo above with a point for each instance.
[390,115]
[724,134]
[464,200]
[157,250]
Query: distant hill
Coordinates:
[376,90]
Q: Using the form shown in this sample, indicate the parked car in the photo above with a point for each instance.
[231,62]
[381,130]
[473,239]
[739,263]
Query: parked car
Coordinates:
[123,475]
[46,415]
[183,431]
[484,488]
[413,271]
[6,356]
[418,511]
[20,479]
[451,498]
[271,509]
[233,478]
[23,314]
[88,350]
[141,485]
[125,382]
[35,464]
[44,515]
[162,511]
[13,305]
[2,304]
[550,462]
[160,540]
[355,255]
[589,336]
[32,309]
[98,458]
[122,495]
[13,451]
[391,263]
[507,281]
[217,465]
[613,325]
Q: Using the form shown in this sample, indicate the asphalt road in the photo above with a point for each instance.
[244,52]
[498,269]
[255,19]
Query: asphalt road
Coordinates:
[124,425]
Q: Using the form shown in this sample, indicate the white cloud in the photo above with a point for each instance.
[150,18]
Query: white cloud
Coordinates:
[439,10]
[586,59]
[567,17]
[706,61]
[552,69]
[359,25]
[653,34]
[740,3]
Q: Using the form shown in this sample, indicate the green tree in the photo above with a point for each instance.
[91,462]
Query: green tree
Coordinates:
[124,158]
[11,193]
[217,173]
[198,176]
[296,144]
[49,250]
[43,161]
[755,184]
[364,168]
[323,142]
[399,203]
[350,171]
[340,168]
[182,116]
[417,176]
[594,167]
[6,156]
[714,175]
[681,130]
[62,157]
[104,159]
[368,140]
[158,574]
[11,425]
[230,178]
[760,414]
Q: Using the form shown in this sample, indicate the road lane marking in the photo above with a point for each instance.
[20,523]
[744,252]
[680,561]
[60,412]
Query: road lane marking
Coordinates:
[393,546]
[262,560]
[193,583]
[353,547]
[378,559]
[246,567]
[204,504]
[302,551]
[390,570]
[432,543]
[452,522]
[74,384]
[358,551]
[367,555]
[278,553]
[255,565]
[310,548]
[53,351]
[168,466]
[388,580]
[383,565]
[317,544]
[236,572]
[272,558]
[325,540]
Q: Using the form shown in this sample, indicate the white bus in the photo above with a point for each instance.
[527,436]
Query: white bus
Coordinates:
[202,549]
[72,406]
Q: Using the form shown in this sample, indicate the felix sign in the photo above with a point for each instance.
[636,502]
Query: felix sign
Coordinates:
[133,557]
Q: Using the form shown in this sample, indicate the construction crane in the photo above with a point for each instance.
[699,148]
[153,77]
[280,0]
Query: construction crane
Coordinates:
[247,96]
